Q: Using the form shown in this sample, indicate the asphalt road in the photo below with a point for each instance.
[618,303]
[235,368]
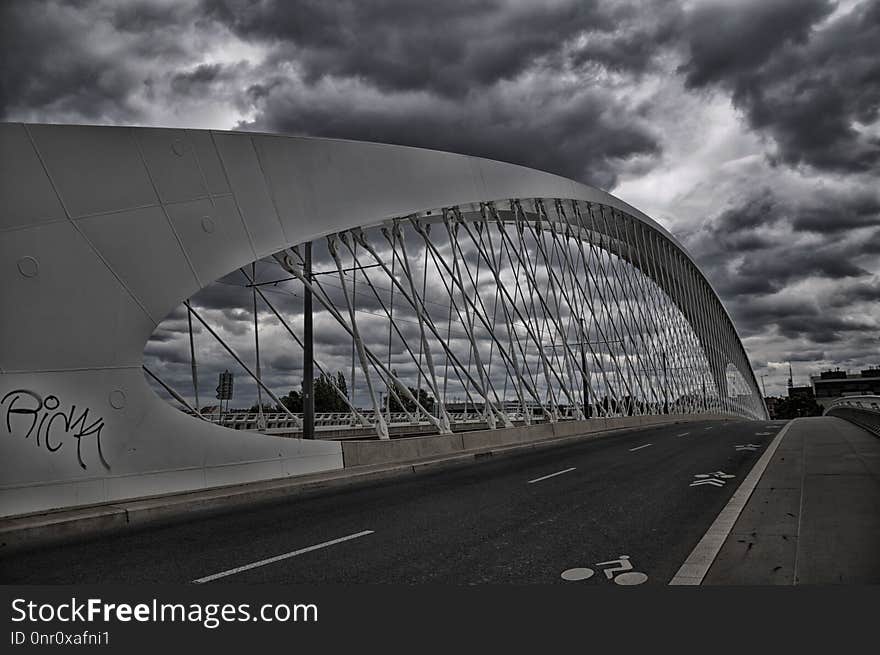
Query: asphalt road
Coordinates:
[506,520]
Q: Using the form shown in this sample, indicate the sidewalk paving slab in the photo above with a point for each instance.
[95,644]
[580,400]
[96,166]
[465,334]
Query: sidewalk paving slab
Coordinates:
[814,517]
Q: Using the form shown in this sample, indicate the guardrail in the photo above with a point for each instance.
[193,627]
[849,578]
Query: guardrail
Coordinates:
[861,410]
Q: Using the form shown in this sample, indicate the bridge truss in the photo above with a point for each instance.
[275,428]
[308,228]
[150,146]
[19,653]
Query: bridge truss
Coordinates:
[498,313]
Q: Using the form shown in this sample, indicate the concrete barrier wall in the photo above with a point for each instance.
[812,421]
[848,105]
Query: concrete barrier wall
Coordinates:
[363,453]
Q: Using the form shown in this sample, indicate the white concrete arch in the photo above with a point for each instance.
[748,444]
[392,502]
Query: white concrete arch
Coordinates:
[105,229]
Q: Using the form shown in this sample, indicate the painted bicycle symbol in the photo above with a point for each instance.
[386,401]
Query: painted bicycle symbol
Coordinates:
[620,571]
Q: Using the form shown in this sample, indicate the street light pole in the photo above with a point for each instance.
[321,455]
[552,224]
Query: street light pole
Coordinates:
[584,379]
[582,343]
[308,396]
[665,386]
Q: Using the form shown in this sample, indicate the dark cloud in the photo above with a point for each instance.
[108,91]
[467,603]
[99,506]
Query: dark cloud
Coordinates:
[202,79]
[840,212]
[449,76]
[79,60]
[448,48]
[804,356]
[845,296]
[167,352]
[727,39]
[574,122]
[831,213]
[821,328]
[286,362]
[758,252]
[806,84]
[591,89]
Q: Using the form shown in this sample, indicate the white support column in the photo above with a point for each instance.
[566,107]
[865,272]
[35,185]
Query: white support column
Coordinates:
[381,426]
[261,420]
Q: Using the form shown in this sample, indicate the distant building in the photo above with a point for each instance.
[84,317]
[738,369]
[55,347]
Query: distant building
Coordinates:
[829,385]
[800,392]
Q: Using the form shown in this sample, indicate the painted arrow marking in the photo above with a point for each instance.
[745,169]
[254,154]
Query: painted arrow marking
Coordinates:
[748,446]
[716,474]
[716,479]
[714,482]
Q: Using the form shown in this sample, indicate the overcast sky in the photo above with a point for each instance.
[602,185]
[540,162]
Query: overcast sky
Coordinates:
[749,128]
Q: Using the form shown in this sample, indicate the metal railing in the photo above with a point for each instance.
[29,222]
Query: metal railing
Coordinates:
[864,411]
[327,420]
[346,420]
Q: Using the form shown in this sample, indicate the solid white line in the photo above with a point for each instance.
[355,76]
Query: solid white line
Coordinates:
[552,475]
[683,434]
[704,553]
[278,558]
[640,447]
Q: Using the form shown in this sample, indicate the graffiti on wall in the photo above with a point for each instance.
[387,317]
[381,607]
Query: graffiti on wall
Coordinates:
[51,426]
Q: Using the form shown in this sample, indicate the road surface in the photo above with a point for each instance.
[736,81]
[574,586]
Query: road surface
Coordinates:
[599,511]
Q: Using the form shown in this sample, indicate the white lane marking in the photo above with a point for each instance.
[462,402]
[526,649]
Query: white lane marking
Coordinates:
[716,479]
[763,434]
[712,481]
[683,434]
[640,447]
[748,446]
[709,428]
[704,553]
[278,558]
[552,475]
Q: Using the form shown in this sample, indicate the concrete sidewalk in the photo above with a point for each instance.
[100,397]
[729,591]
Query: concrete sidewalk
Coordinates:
[814,516]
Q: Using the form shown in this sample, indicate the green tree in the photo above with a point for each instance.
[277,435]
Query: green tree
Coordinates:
[797,406]
[293,401]
[425,399]
[328,399]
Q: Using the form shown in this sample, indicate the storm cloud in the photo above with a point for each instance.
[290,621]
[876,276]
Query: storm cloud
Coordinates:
[808,80]
[749,128]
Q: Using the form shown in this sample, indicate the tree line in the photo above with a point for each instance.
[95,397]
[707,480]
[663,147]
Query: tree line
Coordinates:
[328,399]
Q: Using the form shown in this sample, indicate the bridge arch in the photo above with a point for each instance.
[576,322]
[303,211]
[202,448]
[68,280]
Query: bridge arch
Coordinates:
[107,229]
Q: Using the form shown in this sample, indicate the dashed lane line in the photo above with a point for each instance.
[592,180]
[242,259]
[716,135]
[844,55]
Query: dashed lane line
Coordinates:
[278,558]
[552,475]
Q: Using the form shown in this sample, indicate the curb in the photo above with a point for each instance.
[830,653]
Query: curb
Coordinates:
[697,565]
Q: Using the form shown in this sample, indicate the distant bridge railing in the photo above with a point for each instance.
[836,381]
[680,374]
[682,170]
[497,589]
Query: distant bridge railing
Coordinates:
[325,421]
[861,410]
[337,420]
